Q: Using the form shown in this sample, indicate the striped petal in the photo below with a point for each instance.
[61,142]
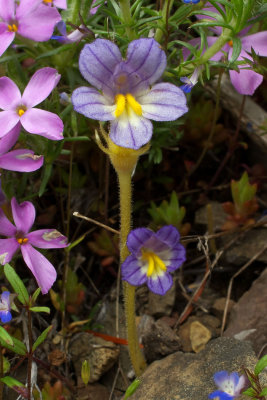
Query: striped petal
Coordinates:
[164,102]
[137,238]
[160,284]
[89,102]
[132,272]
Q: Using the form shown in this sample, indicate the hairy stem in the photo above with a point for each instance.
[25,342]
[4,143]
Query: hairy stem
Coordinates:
[136,356]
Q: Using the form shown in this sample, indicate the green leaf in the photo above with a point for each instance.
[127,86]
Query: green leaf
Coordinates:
[237,46]
[46,175]
[18,347]
[5,336]
[6,365]
[11,382]
[261,364]
[250,392]
[17,284]
[41,338]
[132,388]
[263,392]
[35,295]
[40,309]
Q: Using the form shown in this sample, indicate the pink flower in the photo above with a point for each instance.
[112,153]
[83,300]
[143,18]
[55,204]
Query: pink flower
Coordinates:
[57,3]
[28,18]
[19,237]
[19,109]
[246,80]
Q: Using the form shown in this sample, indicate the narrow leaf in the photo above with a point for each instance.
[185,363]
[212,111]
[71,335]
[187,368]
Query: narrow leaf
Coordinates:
[5,336]
[40,309]
[17,347]
[41,338]
[11,382]
[17,284]
[261,364]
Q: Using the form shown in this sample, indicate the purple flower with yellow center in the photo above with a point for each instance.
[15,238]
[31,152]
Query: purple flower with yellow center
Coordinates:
[230,386]
[246,80]
[28,18]
[22,160]
[19,109]
[5,314]
[126,93]
[19,238]
[153,257]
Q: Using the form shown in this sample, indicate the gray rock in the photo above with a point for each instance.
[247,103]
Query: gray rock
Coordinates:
[249,314]
[161,305]
[187,376]
[218,214]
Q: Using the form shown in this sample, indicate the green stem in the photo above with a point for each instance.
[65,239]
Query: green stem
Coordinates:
[30,354]
[127,18]
[136,356]
[210,52]
[76,8]
[1,373]
[164,21]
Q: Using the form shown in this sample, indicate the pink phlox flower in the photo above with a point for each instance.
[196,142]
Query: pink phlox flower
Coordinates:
[246,81]
[56,3]
[18,109]
[22,160]
[19,238]
[28,18]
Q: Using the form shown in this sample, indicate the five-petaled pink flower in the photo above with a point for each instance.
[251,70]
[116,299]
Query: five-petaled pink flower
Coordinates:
[29,18]
[19,109]
[19,237]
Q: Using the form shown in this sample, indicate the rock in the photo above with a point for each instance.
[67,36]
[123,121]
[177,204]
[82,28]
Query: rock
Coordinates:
[159,306]
[209,322]
[101,354]
[246,246]
[219,216]
[249,314]
[159,340]
[199,336]
[219,306]
[187,376]
[93,391]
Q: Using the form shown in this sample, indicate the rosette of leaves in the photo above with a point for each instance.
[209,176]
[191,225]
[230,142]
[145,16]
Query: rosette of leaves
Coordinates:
[244,205]
[169,213]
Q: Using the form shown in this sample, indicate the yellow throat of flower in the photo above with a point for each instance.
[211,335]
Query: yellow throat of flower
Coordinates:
[126,102]
[155,264]
[12,28]
[22,240]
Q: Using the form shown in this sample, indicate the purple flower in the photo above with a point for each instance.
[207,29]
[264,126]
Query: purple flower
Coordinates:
[125,94]
[191,1]
[154,256]
[28,18]
[19,237]
[246,80]
[21,160]
[57,3]
[189,83]
[230,385]
[76,36]
[5,314]
[19,109]
[94,9]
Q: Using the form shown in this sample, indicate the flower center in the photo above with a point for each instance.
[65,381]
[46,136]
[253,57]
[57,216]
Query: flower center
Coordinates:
[126,102]
[12,27]
[22,240]
[155,264]
[230,43]
[48,1]
[21,110]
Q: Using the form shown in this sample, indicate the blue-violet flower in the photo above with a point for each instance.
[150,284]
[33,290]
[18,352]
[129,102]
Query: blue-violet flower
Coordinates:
[5,314]
[191,1]
[230,386]
[153,257]
[189,83]
[125,94]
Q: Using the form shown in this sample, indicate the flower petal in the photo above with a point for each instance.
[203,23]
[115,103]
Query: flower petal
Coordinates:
[10,95]
[8,120]
[131,131]
[6,227]
[47,239]
[169,235]
[257,41]
[164,102]
[61,4]
[160,284]
[175,258]
[218,395]
[21,160]
[147,59]
[9,139]
[5,316]
[132,272]
[5,297]
[39,24]
[8,248]
[97,63]
[44,123]
[40,86]
[23,215]
[25,7]
[220,377]
[6,37]
[137,238]
[43,271]
[246,81]
[89,102]
[7,10]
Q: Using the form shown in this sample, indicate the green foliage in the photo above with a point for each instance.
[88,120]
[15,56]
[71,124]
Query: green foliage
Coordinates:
[5,337]
[17,284]
[85,372]
[17,347]
[132,388]
[41,338]
[168,213]
[261,364]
